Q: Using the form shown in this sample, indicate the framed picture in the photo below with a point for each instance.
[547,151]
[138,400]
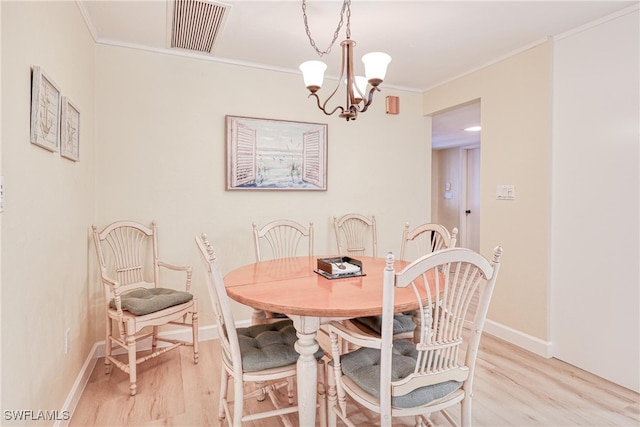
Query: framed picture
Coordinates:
[266,154]
[69,130]
[45,110]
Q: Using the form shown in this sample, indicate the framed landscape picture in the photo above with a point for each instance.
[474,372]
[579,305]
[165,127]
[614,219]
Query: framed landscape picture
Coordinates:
[69,130]
[45,110]
[267,154]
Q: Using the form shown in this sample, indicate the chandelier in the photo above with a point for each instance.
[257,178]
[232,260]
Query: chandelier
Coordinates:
[375,64]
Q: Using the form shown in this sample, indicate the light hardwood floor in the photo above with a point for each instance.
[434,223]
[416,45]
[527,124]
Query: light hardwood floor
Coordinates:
[512,388]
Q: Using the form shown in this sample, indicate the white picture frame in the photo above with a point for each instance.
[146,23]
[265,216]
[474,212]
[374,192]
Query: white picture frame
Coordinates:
[45,110]
[272,154]
[69,130]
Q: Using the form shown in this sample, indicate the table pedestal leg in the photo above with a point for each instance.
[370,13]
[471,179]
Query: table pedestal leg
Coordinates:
[258,317]
[307,368]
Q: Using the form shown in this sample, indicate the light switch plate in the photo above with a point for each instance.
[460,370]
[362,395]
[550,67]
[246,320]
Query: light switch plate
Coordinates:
[506,192]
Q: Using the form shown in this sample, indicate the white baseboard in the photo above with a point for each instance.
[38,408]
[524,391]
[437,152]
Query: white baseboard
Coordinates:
[205,333]
[515,337]
[78,386]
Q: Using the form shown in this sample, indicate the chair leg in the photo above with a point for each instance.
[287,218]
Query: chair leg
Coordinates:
[260,385]
[108,346]
[322,389]
[224,389]
[194,326]
[290,390]
[154,339]
[238,401]
[131,347]
[332,398]
[466,410]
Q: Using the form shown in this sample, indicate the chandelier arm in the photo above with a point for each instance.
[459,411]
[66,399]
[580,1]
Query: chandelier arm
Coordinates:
[369,98]
[322,107]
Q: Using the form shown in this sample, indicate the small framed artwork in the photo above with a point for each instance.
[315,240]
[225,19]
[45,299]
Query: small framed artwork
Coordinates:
[45,110]
[267,154]
[69,130]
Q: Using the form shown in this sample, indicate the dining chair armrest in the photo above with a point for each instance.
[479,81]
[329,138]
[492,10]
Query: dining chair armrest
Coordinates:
[186,268]
[354,337]
[114,287]
[106,280]
[174,267]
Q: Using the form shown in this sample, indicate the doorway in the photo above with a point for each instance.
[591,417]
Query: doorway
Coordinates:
[456,172]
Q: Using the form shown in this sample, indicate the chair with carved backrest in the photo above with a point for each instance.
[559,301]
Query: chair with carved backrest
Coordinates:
[423,239]
[397,378]
[426,238]
[134,298]
[280,239]
[261,354]
[356,235]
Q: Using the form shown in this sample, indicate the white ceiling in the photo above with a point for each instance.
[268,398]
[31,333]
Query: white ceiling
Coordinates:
[430,42]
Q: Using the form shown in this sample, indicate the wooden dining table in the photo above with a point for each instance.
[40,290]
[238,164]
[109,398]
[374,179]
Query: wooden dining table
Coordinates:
[291,286]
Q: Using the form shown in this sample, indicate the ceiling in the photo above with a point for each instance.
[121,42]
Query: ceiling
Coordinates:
[430,42]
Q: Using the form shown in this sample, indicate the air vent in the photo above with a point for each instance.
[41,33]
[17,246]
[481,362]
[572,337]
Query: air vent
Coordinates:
[196,24]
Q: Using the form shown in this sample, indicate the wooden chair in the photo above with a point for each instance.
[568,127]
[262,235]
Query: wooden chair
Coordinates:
[134,299]
[424,239]
[397,378]
[283,239]
[261,354]
[356,235]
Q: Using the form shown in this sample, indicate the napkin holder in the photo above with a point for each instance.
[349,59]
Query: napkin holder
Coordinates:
[330,267]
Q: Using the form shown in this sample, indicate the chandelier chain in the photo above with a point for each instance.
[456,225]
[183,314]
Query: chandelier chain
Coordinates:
[345,7]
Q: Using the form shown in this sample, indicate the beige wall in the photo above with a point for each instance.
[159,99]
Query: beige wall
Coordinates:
[48,206]
[153,148]
[161,155]
[515,96]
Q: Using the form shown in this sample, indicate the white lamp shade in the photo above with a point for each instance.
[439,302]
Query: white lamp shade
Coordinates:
[375,65]
[361,83]
[313,73]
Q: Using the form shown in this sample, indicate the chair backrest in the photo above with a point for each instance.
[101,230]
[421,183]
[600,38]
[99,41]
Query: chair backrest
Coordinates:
[464,278]
[283,237]
[128,252]
[356,233]
[223,316]
[424,239]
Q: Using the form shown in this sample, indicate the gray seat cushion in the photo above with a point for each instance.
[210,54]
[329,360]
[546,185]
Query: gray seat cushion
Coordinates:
[402,322]
[269,346]
[145,301]
[363,367]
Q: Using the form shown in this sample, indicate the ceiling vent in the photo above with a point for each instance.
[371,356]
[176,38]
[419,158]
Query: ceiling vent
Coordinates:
[196,24]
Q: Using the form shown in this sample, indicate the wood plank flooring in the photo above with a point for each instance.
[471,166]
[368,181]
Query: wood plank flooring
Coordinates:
[512,388]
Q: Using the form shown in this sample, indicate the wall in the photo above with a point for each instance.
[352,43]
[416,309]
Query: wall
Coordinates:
[596,185]
[153,147]
[161,155]
[516,149]
[48,206]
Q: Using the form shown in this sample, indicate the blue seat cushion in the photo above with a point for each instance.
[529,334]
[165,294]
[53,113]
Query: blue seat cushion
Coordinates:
[363,367]
[402,322]
[145,301]
[269,346]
